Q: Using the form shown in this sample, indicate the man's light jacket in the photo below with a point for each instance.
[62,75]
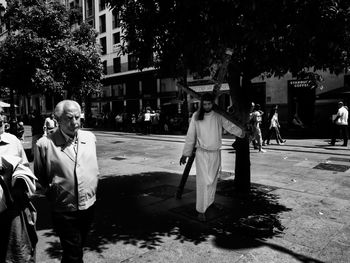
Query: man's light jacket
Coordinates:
[70,179]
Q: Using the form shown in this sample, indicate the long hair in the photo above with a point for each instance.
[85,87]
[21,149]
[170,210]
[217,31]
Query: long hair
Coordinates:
[205,97]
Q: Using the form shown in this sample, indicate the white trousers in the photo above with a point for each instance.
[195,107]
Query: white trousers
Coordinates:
[207,167]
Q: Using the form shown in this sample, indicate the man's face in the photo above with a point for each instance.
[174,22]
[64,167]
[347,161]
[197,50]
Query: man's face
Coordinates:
[70,120]
[207,106]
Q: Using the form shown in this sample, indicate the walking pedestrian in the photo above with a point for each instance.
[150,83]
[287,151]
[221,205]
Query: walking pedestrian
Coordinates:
[50,124]
[205,134]
[133,123]
[119,122]
[256,120]
[66,165]
[148,121]
[274,126]
[340,124]
[17,214]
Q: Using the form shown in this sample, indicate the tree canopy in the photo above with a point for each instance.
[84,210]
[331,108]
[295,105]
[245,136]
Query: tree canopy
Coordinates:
[266,36]
[42,52]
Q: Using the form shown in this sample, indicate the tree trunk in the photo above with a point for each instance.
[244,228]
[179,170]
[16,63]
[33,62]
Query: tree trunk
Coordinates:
[241,108]
[242,168]
[12,103]
[87,110]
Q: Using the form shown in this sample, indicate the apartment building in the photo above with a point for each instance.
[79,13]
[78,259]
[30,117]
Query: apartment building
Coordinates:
[2,24]
[125,88]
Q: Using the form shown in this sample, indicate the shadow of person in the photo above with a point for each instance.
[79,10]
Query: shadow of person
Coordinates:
[141,210]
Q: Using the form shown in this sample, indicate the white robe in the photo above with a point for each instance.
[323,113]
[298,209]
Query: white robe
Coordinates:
[206,136]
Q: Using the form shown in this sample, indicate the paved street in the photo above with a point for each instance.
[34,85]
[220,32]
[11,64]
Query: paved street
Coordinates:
[302,188]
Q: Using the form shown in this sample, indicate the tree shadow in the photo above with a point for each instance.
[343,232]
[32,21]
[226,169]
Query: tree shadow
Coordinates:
[140,210]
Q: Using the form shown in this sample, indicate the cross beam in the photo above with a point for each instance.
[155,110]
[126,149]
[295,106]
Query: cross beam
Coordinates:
[216,108]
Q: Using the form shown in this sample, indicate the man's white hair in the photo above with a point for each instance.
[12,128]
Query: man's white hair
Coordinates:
[60,107]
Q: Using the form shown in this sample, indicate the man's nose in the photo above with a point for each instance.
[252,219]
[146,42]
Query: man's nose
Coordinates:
[75,121]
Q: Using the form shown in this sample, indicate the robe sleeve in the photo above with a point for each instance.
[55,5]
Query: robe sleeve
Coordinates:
[231,127]
[191,138]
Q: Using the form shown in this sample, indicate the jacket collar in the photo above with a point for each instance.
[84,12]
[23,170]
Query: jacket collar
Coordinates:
[60,139]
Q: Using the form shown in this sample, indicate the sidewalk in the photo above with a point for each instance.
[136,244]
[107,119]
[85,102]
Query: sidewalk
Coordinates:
[300,192]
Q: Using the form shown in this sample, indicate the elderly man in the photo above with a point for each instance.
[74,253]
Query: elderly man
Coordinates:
[17,215]
[66,164]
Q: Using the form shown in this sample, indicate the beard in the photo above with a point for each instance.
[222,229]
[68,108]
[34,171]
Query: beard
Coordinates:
[207,110]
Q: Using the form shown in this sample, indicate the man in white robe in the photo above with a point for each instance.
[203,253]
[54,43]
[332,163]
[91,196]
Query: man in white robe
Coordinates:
[205,134]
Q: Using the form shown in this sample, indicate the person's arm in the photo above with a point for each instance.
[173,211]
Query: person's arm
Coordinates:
[190,141]
[339,114]
[277,122]
[40,164]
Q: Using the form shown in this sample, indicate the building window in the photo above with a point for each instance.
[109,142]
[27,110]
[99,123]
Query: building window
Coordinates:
[115,19]
[104,66]
[116,38]
[2,24]
[91,23]
[116,65]
[102,5]
[89,8]
[132,62]
[102,23]
[117,90]
[103,44]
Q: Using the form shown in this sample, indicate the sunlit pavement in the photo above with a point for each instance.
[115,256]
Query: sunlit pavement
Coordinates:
[302,187]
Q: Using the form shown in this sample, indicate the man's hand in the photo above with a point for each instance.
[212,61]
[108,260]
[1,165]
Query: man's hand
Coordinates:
[183,159]
[19,193]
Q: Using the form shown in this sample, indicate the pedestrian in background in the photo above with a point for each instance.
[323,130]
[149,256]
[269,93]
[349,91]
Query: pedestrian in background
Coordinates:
[205,134]
[50,124]
[274,127]
[133,123]
[148,120]
[20,131]
[66,165]
[256,121]
[340,124]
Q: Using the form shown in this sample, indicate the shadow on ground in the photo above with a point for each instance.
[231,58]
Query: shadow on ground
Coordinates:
[140,210]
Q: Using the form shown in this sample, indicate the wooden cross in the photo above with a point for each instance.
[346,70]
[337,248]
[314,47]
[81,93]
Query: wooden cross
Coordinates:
[217,86]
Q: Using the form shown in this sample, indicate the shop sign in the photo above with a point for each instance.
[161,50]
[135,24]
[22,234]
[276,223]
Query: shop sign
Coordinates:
[300,83]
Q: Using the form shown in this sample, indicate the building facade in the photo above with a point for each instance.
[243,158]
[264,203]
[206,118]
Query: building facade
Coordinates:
[127,89]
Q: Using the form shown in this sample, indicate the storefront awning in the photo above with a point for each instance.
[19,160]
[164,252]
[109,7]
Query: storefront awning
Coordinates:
[173,101]
[339,93]
[6,105]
